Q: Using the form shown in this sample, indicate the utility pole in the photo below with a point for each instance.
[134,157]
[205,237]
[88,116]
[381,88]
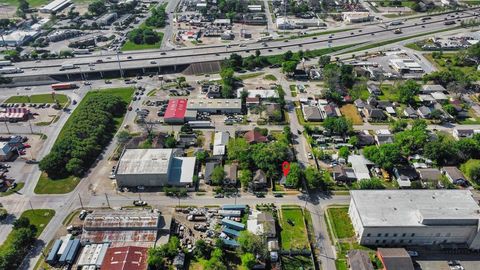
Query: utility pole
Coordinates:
[80,198]
[8,131]
[108,203]
[31,207]
[30,124]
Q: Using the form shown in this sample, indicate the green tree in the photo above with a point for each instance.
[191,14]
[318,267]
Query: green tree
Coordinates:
[288,55]
[252,243]
[228,82]
[218,175]
[407,92]
[295,175]
[158,256]
[97,7]
[344,152]
[324,60]
[338,125]
[201,156]
[248,260]
[123,137]
[398,125]
[245,178]
[202,249]
[353,141]
[450,110]
[385,155]
[315,178]
[289,67]
[170,142]
[374,183]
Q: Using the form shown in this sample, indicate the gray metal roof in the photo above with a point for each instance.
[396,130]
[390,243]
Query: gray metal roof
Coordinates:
[415,207]
[145,161]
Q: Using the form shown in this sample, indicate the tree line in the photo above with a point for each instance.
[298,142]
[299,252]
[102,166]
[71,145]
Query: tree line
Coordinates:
[88,131]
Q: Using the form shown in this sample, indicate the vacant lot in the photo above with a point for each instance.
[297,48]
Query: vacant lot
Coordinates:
[42,98]
[130,46]
[341,222]
[351,112]
[294,233]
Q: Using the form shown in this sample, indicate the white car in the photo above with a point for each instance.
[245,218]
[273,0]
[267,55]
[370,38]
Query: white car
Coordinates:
[412,253]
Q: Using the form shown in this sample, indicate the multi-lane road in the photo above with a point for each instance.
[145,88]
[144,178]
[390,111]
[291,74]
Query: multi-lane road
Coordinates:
[373,32]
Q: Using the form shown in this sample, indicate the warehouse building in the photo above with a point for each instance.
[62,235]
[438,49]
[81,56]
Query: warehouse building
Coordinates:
[175,112]
[125,227]
[154,168]
[215,106]
[446,218]
[55,6]
[92,255]
[125,258]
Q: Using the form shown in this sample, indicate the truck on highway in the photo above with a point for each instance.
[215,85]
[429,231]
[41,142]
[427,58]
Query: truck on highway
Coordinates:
[68,66]
[5,63]
[10,70]
[449,22]
[63,86]
[81,51]
[396,23]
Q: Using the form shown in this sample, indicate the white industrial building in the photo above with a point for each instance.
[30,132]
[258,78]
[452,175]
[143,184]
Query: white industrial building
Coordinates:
[153,168]
[216,106]
[261,93]
[356,17]
[446,218]
[55,6]
[19,37]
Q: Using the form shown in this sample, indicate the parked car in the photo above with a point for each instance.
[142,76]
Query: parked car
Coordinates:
[218,196]
[139,203]
[83,214]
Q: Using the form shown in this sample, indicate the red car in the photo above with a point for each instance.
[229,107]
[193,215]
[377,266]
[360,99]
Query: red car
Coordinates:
[27,145]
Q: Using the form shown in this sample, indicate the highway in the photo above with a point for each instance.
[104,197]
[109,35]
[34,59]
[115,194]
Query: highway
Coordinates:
[374,32]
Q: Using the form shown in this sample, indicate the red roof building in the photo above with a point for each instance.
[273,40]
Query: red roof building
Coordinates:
[254,136]
[125,258]
[175,112]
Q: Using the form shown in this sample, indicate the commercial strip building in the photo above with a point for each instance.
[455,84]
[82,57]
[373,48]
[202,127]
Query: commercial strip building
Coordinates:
[55,6]
[446,218]
[154,168]
[215,106]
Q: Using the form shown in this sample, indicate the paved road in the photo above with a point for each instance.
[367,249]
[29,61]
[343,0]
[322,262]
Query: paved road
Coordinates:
[210,53]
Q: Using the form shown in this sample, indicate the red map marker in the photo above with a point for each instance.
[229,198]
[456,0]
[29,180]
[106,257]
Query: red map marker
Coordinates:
[285,168]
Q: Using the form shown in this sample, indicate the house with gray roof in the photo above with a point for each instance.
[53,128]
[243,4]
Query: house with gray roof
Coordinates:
[424,112]
[312,113]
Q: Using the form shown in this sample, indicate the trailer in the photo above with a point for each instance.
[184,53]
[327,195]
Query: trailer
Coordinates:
[52,256]
[240,207]
[233,224]
[63,86]
[200,124]
[10,70]
[72,253]
[81,51]
[63,258]
[230,213]
[68,66]
[5,63]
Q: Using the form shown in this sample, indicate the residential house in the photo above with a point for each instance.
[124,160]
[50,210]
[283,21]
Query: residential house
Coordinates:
[230,174]
[360,166]
[426,99]
[374,114]
[424,112]
[463,133]
[259,181]
[404,176]
[254,136]
[431,88]
[359,260]
[220,142]
[343,174]
[262,223]
[383,138]
[312,113]
[439,97]
[455,176]
[395,259]
[360,104]
[331,110]
[252,102]
[410,113]
[365,139]
[430,175]
[273,111]
[383,104]
[374,89]
[372,101]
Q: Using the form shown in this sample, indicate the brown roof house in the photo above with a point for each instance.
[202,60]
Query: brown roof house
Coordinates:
[230,174]
[359,260]
[395,259]
[454,175]
[259,181]
[254,136]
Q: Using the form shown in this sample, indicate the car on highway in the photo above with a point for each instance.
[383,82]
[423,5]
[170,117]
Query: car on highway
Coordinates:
[260,195]
[153,62]
[108,82]
[219,196]
[278,195]
[32,161]
[129,57]
[139,203]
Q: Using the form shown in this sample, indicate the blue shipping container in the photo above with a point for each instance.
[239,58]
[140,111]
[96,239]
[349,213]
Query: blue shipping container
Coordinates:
[63,258]
[52,256]
[240,207]
[72,253]
[233,224]
[231,232]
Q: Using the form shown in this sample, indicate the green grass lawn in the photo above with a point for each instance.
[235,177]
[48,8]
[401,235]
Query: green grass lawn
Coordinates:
[250,75]
[41,98]
[38,217]
[341,222]
[46,185]
[294,234]
[11,191]
[33,3]
[442,64]
[270,77]
[389,93]
[130,46]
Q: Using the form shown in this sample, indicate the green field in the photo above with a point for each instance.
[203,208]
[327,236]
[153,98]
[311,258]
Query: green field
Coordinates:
[41,98]
[297,262]
[33,3]
[270,77]
[341,222]
[294,233]
[46,185]
[130,46]
[38,217]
